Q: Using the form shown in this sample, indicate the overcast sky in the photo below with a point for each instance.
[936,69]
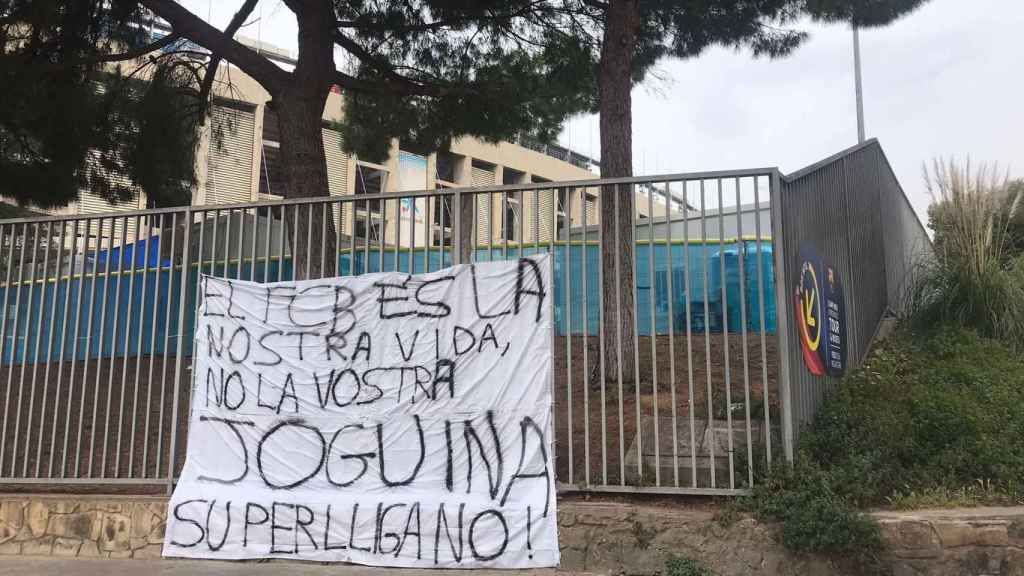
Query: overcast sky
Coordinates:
[947,80]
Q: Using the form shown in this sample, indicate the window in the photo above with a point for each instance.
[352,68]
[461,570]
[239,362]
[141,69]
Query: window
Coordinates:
[510,224]
[368,231]
[562,211]
[442,219]
[563,200]
[590,208]
[271,171]
[370,180]
[446,162]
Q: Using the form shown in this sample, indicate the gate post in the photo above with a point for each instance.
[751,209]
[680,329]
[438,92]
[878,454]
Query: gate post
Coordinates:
[186,263]
[783,311]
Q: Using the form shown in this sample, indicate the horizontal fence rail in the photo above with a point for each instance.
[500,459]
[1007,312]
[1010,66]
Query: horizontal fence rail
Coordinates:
[681,396]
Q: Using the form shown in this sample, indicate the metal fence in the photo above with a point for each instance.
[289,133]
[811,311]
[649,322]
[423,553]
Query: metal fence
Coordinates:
[694,393]
[851,208]
[98,315]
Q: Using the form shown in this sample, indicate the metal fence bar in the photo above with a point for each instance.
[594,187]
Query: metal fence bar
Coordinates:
[709,422]
[24,362]
[49,348]
[585,249]
[74,357]
[182,306]
[139,347]
[743,332]
[3,335]
[601,337]
[633,293]
[672,336]
[689,342]
[127,345]
[63,345]
[567,263]
[167,347]
[145,324]
[113,342]
[725,332]
[763,337]
[651,291]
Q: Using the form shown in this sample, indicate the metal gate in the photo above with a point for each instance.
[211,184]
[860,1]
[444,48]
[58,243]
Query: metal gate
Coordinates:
[689,395]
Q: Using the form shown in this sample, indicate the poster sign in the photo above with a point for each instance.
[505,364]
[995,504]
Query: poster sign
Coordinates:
[383,419]
[820,314]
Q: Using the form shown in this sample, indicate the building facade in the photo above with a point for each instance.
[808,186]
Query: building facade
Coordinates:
[238,161]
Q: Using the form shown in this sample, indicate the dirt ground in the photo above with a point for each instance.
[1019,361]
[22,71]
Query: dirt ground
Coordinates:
[102,419]
[641,401]
[95,419]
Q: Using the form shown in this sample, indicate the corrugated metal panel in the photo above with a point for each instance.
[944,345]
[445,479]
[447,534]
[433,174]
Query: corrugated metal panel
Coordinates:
[337,175]
[485,205]
[229,162]
[337,163]
[89,203]
[591,209]
[851,209]
[546,212]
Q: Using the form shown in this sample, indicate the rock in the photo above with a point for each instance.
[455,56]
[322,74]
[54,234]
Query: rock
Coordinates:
[1014,562]
[993,535]
[577,538]
[956,534]
[10,548]
[12,518]
[156,535]
[912,539]
[150,552]
[142,521]
[37,517]
[38,547]
[66,546]
[77,525]
[90,549]
[115,533]
[121,553]
[64,507]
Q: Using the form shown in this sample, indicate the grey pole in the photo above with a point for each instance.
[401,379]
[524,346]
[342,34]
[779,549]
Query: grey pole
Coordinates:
[857,81]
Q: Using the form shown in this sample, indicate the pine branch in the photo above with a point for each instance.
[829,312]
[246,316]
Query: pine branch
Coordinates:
[190,26]
[211,70]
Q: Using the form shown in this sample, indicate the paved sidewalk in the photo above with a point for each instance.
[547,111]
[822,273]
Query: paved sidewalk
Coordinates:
[25,566]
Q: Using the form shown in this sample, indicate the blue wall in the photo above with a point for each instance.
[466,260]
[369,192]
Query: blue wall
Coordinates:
[43,315]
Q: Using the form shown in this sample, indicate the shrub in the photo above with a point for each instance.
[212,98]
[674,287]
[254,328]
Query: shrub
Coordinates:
[682,566]
[977,276]
[929,419]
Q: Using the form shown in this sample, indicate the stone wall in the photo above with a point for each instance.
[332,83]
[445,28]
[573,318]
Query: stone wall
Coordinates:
[972,541]
[91,527]
[599,537]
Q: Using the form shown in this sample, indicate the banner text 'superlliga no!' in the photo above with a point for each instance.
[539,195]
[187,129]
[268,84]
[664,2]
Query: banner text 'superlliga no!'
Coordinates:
[384,419]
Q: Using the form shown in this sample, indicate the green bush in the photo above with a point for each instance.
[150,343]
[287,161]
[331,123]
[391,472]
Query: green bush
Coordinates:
[942,410]
[682,566]
[976,278]
[929,419]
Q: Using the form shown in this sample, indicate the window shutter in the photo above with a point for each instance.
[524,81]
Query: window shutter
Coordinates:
[485,205]
[229,162]
[337,176]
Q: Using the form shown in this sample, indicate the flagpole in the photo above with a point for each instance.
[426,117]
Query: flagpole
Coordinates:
[857,81]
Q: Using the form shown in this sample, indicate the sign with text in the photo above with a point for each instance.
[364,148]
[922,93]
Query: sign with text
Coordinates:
[821,316]
[384,419]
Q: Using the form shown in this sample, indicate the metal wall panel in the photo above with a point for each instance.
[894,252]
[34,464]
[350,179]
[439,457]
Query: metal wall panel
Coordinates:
[851,209]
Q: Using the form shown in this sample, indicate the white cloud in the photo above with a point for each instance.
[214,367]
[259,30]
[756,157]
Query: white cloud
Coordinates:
[944,81]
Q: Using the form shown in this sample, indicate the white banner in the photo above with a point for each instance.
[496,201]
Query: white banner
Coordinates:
[384,419]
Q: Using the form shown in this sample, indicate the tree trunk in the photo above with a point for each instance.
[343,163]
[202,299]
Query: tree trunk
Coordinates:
[622,22]
[300,107]
[310,227]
